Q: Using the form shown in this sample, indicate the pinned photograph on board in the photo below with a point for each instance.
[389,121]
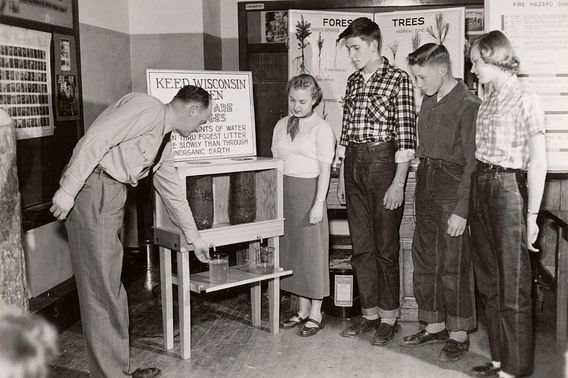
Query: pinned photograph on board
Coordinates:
[67,104]
[65,49]
[9,6]
[474,21]
[274,27]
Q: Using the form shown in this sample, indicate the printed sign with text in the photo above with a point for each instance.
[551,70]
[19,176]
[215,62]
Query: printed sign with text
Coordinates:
[230,130]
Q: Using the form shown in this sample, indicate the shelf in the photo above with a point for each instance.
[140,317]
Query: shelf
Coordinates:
[238,275]
[220,166]
[221,234]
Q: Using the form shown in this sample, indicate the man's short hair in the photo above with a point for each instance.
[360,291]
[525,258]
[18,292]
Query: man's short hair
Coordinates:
[364,28]
[429,53]
[191,93]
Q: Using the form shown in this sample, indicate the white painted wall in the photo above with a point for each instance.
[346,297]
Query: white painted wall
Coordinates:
[108,14]
[165,16]
[212,17]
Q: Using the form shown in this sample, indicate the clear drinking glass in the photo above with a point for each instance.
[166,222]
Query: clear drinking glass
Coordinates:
[264,259]
[219,268]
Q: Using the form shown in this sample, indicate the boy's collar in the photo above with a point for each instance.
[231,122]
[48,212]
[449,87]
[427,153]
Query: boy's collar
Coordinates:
[381,68]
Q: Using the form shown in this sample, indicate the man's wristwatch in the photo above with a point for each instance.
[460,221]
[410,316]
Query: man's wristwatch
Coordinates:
[399,184]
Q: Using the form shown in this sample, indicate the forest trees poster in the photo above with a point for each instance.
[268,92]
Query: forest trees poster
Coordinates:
[313,49]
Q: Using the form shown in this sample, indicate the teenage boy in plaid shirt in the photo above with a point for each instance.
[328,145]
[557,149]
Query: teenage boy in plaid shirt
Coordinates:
[379,137]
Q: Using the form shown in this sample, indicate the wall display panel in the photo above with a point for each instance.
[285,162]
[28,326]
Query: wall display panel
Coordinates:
[28,89]
[25,80]
[314,49]
[538,31]
[54,12]
[405,31]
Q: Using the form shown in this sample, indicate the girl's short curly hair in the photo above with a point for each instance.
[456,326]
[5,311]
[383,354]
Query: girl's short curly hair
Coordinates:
[306,81]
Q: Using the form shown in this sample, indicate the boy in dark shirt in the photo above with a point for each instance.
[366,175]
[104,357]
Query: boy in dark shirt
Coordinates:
[441,244]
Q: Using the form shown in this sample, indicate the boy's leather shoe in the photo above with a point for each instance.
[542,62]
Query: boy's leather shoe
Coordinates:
[454,350]
[147,373]
[360,328]
[424,337]
[385,334]
[487,370]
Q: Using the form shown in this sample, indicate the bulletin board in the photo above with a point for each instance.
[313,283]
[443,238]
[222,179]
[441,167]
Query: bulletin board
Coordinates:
[538,31]
[40,87]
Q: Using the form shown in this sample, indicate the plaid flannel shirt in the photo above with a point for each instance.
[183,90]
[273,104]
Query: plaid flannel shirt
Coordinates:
[506,120]
[381,109]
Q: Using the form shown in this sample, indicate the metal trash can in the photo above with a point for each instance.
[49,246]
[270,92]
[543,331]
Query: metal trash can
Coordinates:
[343,301]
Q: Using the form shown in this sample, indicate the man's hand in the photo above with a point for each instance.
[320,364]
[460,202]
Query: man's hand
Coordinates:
[393,197]
[62,203]
[201,250]
[456,225]
[316,214]
[532,232]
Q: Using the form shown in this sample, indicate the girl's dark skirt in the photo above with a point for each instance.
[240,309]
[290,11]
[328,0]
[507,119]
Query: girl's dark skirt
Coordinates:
[304,248]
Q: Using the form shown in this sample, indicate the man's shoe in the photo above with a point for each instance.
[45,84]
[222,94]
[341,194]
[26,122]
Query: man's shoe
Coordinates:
[454,350]
[147,373]
[385,334]
[424,337]
[360,328]
[487,370]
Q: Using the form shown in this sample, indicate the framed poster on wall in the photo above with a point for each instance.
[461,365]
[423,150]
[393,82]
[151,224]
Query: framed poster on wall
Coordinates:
[230,132]
[313,49]
[405,31]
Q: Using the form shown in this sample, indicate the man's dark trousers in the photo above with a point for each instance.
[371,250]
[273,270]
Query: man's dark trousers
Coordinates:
[442,280]
[369,170]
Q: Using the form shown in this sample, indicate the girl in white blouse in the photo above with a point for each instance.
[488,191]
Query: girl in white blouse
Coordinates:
[306,143]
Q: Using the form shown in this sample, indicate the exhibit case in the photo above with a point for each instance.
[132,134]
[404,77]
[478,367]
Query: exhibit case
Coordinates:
[268,225]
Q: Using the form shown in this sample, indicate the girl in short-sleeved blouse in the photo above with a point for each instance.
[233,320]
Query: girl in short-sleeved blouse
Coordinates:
[306,143]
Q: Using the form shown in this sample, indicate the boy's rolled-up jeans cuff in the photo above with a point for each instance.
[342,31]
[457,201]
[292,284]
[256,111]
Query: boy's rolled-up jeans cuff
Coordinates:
[389,313]
[381,313]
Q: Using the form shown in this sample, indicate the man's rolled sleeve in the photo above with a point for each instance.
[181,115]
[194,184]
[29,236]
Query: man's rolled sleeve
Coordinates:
[173,192]
[405,115]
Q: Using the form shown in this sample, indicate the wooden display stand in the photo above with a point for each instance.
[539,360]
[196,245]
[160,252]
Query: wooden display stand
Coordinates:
[269,224]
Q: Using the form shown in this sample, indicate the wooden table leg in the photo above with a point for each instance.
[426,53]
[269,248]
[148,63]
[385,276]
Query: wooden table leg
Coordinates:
[255,303]
[274,291]
[167,297]
[562,289]
[255,292]
[184,304]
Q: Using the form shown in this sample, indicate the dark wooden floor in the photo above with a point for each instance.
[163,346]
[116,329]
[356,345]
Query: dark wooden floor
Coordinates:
[225,345]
